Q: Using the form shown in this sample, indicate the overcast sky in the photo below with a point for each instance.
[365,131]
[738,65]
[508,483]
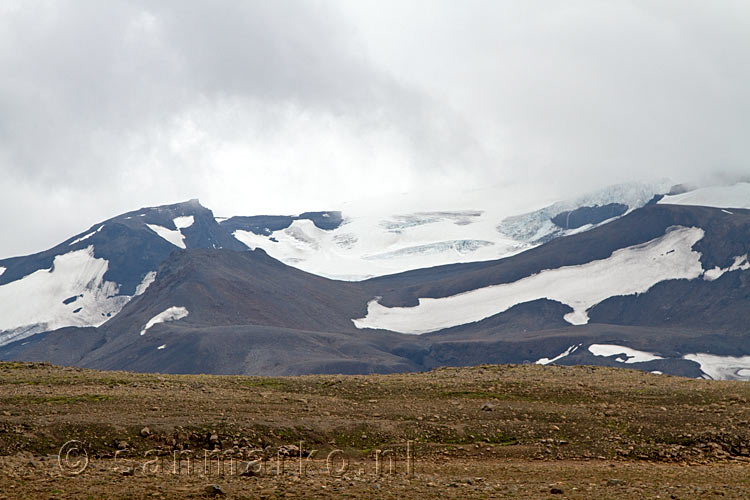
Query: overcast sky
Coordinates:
[282,106]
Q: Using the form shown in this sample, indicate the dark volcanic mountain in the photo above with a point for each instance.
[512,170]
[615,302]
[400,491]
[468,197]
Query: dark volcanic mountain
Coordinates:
[87,279]
[664,288]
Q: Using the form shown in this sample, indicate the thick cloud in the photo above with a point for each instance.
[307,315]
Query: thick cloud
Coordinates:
[288,105]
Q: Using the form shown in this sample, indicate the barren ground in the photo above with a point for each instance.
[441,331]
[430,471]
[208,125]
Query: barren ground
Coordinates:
[485,432]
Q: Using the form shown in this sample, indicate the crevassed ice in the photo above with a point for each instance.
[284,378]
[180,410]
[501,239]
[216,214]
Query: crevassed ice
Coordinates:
[363,247]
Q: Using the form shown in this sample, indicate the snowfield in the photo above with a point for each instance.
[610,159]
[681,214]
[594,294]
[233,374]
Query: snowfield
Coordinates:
[184,222]
[71,293]
[624,354]
[147,280]
[627,271]
[173,313]
[740,264]
[713,366]
[566,352]
[722,367]
[174,236]
[85,237]
[735,196]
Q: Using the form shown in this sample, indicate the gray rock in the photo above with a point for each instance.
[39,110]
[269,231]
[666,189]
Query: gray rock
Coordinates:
[213,490]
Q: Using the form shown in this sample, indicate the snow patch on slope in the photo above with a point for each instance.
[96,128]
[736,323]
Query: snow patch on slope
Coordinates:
[85,237]
[143,285]
[570,350]
[624,354]
[722,367]
[72,292]
[183,222]
[735,196]
[713,366]
[627,271]
[740,264]
[173,236]
[173,313]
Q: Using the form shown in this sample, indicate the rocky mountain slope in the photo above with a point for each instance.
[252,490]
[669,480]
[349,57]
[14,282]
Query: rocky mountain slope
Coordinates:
[661,288]
[87,279]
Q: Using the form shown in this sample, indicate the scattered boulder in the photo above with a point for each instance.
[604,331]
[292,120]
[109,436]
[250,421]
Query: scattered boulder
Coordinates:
[289,450]
[213,490]
[247,471]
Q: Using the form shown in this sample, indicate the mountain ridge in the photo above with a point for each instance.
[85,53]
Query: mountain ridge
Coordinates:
[234,310]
